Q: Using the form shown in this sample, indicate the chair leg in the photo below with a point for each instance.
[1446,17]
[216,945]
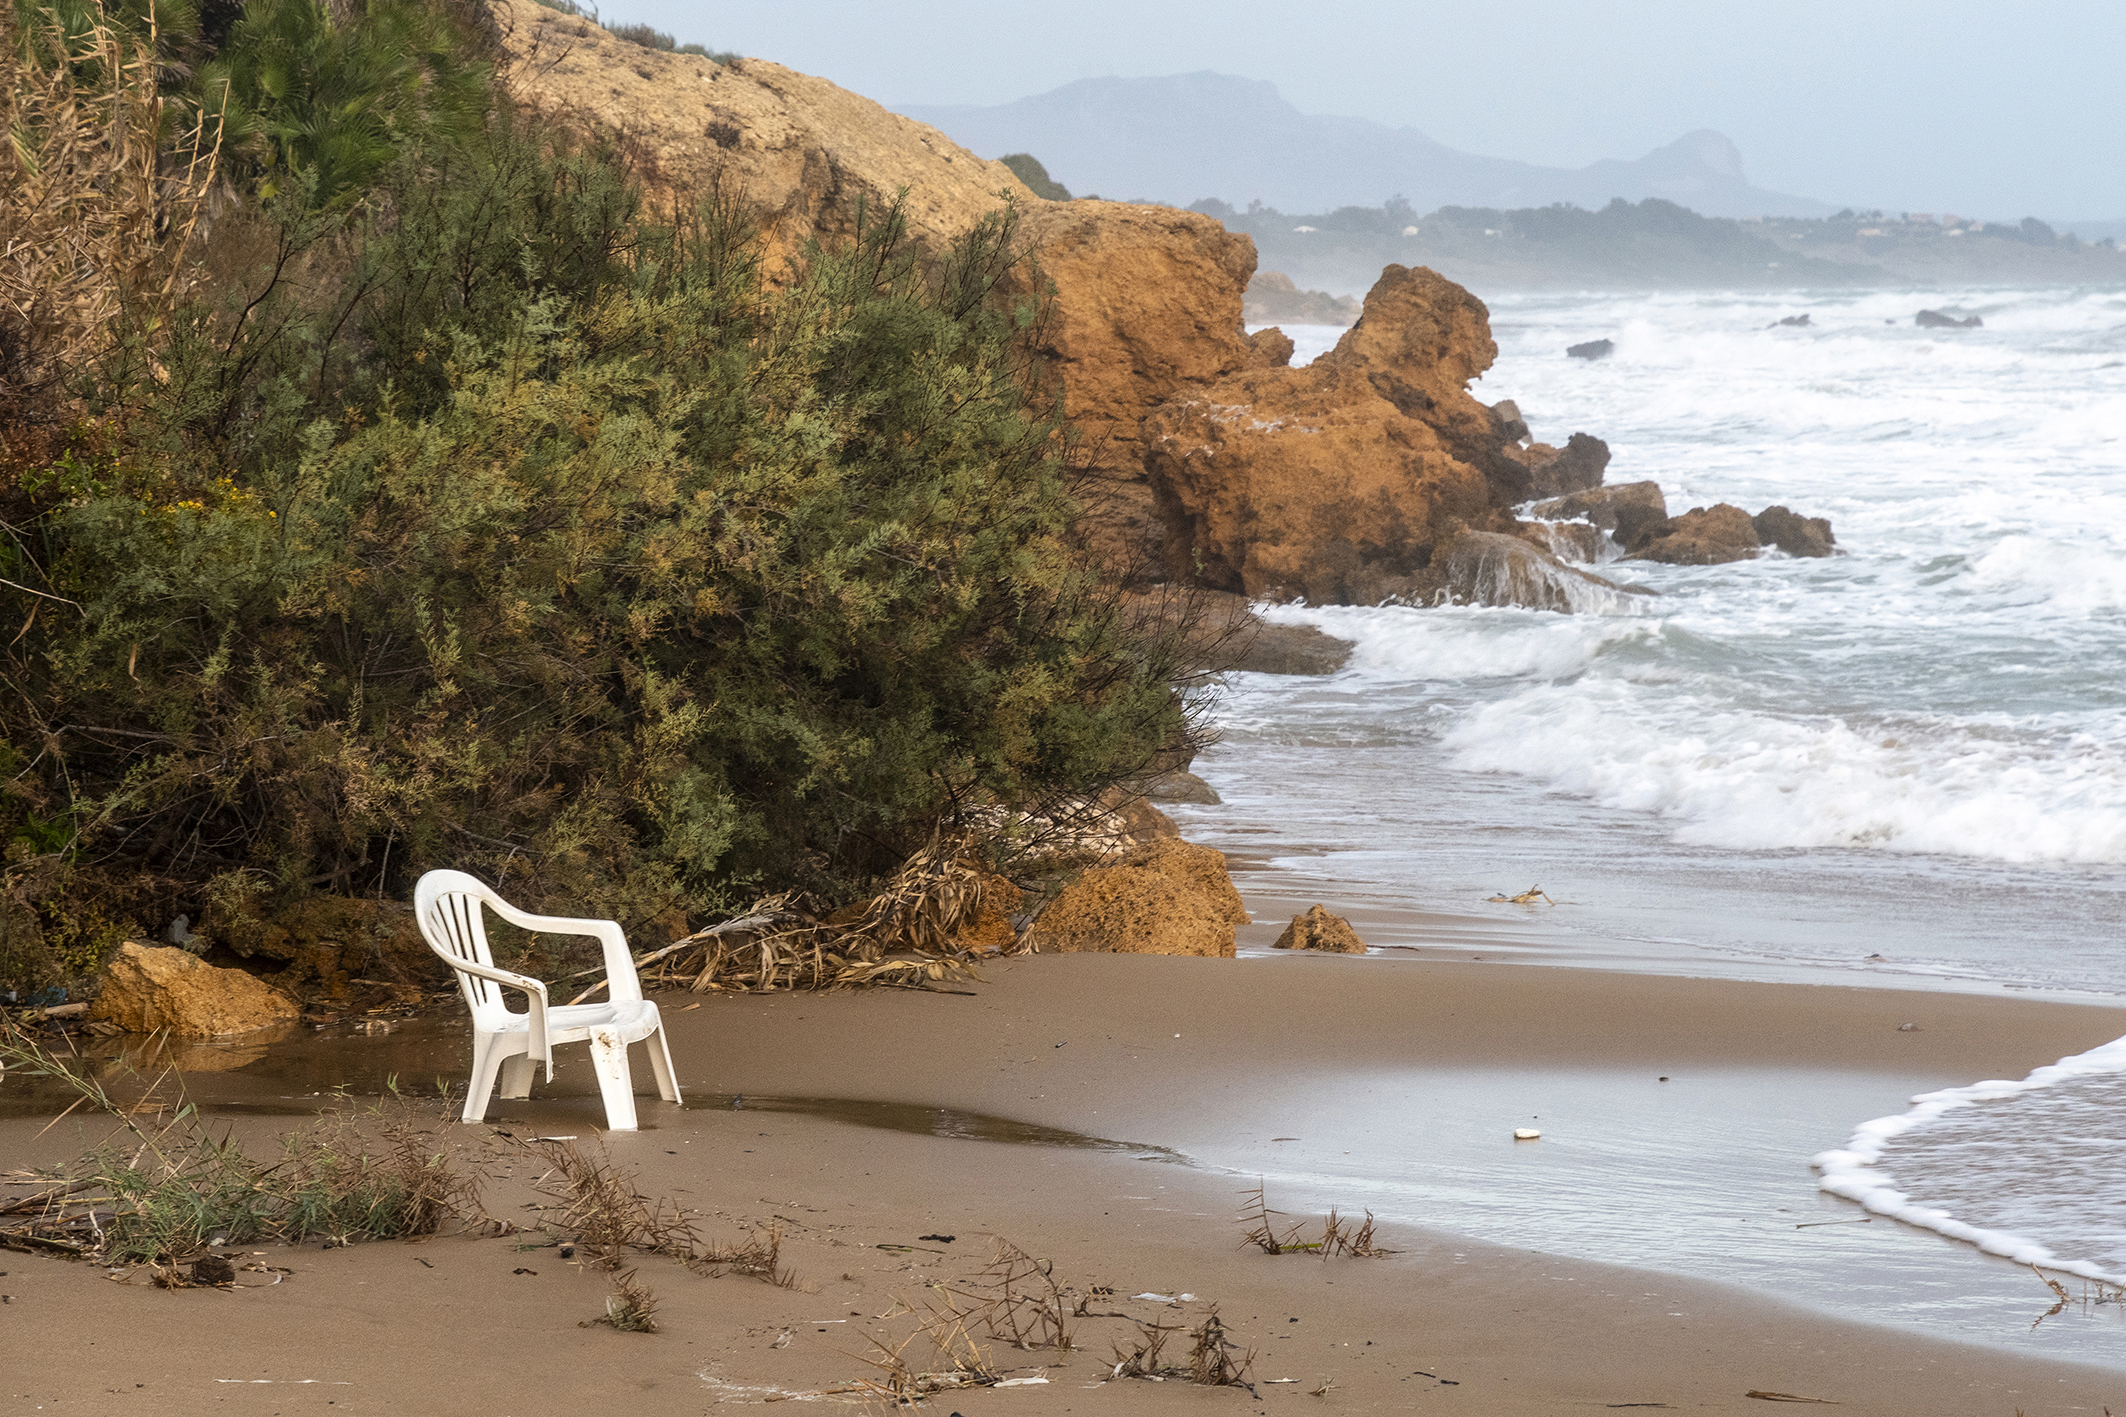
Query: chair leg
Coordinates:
[517,1076]
[609,1058]
[661,1065]
[486,1062]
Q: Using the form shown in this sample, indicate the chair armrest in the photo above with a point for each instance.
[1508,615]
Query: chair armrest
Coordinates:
[623,984]
[541,1046]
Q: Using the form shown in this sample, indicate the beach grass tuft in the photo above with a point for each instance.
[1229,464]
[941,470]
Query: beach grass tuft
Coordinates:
[167,1192]
[1338,1235]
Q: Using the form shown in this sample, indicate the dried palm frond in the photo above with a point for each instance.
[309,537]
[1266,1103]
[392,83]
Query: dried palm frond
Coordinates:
[101,203]
[905,936]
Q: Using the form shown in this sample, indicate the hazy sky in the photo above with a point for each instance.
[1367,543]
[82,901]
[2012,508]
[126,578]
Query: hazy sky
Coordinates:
[1990,109]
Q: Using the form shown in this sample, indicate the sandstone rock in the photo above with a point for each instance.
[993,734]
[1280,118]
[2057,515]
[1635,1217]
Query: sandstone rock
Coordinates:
[1592,349]
[1795,535]
[1147,306]
[1601,505]
[1336,481]
[1173,898]
[1270,349]
[1568,541]
[1512,427]
[1136,821]
[1936,320]
[990,931]
[1421,342]
[1294,649]
[1555,472]
[151,988]
[1702,536]
[799,148]
[1226,634]
[1319,930]
[1182,787]
[1487,568]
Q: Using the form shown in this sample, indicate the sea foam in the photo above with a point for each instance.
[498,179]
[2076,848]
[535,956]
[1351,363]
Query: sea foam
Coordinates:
[1857,1171]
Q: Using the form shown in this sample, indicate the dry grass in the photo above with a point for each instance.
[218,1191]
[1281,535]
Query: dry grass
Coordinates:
[951,1357]
[102,201]
[1213,1360]
[602,1211]
[1144,1358]
[169,1191]
[1016,1300]
[632,1308]
[1338,1235]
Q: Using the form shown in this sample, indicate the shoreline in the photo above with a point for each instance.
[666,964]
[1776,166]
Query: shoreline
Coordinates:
[1270,1047]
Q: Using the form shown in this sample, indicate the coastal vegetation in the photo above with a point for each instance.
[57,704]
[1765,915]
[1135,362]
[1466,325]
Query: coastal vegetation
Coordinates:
[648,36]
[387,483]
[165,1192]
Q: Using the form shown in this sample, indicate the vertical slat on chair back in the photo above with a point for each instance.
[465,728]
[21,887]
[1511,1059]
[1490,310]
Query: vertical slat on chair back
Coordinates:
[454,927]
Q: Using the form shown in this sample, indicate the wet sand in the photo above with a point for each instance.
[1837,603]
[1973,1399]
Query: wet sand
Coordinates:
[1084,1046]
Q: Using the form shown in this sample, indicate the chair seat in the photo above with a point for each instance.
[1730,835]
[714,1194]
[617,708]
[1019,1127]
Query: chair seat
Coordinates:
[572,1023]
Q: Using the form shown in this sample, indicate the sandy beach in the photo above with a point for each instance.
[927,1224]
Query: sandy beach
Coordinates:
[865,1125]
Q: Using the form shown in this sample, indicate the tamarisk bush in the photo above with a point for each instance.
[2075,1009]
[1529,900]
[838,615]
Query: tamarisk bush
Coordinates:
[504,526]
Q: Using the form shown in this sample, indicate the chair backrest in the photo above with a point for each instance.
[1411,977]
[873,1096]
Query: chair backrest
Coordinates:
[447,906]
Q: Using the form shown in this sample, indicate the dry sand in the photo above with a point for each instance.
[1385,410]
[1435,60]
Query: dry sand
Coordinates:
[451,1325]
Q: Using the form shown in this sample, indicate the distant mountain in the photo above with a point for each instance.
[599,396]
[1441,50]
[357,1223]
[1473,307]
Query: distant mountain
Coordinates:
[1186,137]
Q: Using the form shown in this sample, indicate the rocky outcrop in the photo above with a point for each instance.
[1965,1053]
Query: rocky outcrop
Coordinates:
[1702,536]
[1173,898]
[1568,541]
[1511,426]
[1182,786]
[1592,349]
[1633,513]
[1607,507]
[1337,482]
[1293,649]
[800,149]
[1488,568]
[1319,930]
[149,989]
[1213,463]
[1936,320]
[1147,307]
[1556,472]
[1793,534]
[1272,299]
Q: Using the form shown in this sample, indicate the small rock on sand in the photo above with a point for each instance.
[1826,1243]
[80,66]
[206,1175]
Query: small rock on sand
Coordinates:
[1319,930]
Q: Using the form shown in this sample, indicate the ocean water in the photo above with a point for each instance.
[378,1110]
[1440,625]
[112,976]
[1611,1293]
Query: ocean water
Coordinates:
[1905,763]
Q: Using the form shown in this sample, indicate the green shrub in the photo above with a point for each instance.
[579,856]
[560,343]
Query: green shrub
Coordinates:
[648,36]
[1028,169]
[524,535]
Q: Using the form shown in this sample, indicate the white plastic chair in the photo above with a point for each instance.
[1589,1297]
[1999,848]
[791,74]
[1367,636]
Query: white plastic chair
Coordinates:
[509,1044]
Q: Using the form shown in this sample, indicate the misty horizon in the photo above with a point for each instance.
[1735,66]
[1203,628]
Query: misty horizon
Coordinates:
[1898,106]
